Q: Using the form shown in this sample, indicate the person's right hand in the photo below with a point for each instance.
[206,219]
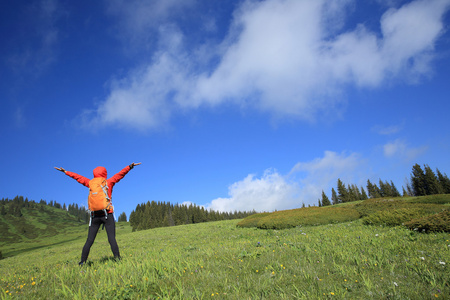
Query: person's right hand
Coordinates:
[60,169]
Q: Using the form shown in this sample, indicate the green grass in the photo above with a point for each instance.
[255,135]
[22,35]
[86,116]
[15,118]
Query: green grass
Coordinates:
[38,227]
[221,261]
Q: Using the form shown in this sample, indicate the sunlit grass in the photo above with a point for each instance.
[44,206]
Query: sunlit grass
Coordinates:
[218,260]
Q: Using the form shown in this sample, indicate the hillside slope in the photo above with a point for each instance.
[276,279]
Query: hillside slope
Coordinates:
[221,261]
[33,227]
[379,211]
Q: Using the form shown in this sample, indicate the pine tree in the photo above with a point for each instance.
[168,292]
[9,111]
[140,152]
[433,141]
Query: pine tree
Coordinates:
[444,181]
[432,184]
[122,217]
[405,193]
[394,191]
[418,181]
[363,194]
[384,188]
[325,200]
[342,192]
[373,190]
[334,197]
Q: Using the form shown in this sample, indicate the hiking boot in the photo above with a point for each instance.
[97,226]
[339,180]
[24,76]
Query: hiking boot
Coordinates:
[81,263]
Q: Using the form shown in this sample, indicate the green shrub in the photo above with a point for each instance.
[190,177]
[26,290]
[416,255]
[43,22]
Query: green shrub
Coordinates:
[252,220]
[435,199]
[426,204]
[307,216]
[394,217]
[433,223]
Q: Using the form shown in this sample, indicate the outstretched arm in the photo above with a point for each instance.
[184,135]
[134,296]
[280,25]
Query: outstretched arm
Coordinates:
[81,179]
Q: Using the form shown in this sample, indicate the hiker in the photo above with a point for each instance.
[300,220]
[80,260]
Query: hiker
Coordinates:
[103,215]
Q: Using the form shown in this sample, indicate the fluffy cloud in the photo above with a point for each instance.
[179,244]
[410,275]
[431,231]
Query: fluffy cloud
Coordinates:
[304,184]
[271,191]
[291,58]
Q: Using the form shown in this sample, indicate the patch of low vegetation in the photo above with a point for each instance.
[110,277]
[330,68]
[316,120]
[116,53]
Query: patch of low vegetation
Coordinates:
[301,217]
[393,217]
[380,211]
[439,222]
[252,221]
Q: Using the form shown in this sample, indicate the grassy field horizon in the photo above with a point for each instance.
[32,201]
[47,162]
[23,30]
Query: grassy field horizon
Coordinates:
[222,261]
[359,250]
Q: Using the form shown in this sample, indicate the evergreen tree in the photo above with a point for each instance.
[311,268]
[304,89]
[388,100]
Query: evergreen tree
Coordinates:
[334,197]
[405,193]
[342,192]
[418,181]
[432,184]
[373,190]
[363,194]
[444,181]
[325,200]
[394,191]
[122,217]
[384,189]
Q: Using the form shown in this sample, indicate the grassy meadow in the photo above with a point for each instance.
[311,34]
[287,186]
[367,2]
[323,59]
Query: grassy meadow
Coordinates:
[219,260]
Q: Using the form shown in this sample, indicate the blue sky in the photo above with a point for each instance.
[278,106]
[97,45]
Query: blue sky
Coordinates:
[233,105]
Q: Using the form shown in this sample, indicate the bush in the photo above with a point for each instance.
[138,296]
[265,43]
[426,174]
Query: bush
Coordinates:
[435,199]
[433,223]
[252,220]
[307,216]
[394,217]
[426,204]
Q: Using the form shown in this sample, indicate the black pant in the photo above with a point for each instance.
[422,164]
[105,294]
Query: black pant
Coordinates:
[110,226]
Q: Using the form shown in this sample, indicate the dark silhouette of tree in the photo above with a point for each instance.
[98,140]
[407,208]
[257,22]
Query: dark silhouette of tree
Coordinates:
[334,197]
[418,181]
[122,217]
[432,185]
[444,181]
[342,192]
[325,200]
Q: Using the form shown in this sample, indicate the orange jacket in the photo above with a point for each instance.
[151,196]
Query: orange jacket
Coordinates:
[101,172]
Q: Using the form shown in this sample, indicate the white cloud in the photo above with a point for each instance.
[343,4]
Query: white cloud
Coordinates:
[271,191]
[304,184]
[400,149]
[284,57]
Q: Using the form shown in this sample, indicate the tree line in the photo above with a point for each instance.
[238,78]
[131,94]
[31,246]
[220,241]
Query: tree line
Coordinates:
[161,214]
[15,206]
[422,182]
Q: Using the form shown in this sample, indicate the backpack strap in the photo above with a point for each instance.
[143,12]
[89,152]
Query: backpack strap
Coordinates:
[105,190]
